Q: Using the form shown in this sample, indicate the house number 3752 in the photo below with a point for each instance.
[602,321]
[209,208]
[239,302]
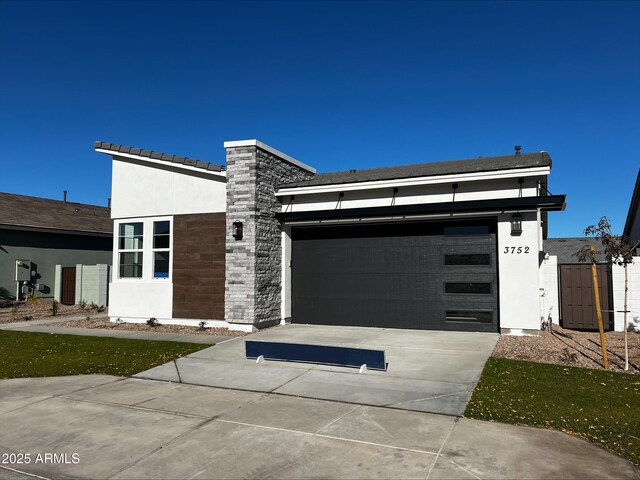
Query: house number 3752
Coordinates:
[516,250]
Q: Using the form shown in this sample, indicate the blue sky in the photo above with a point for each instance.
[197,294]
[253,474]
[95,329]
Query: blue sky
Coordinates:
[337,85]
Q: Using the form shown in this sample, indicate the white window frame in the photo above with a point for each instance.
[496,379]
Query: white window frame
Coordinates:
[147,250]
[121,251]
[155,250]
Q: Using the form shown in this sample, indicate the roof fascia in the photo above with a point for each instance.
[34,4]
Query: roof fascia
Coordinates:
[268,149]
[160,163]
[29,228]
[633,207]
[417,181]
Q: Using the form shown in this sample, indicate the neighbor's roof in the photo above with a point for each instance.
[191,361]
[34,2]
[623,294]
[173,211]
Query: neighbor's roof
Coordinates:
[165,157]
[43,213]
[632,216]
[565,248]
[471,165]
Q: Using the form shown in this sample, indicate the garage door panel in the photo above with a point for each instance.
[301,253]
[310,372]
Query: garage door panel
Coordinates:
[395,276]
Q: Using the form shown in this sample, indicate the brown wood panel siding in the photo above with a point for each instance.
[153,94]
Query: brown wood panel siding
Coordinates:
[198,266]
[577,305]
[68,295]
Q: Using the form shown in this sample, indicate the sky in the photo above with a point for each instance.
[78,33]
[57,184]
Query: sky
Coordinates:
[337,85]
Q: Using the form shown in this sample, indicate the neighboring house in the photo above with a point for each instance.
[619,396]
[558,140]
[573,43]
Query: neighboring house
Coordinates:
[632,225]
[568,283]
[453,245]
[36,234]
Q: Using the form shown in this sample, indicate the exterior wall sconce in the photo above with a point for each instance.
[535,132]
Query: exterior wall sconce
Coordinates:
[237,230]
[516,224]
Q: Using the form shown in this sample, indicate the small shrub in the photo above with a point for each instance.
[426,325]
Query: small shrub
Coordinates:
[88,318]
[54,308]
[567,356]
[83,304]
[100,309]
[14,311]
[28,317]
[33,300]
[202,325]
[119,321]
[153,322]
[93,306]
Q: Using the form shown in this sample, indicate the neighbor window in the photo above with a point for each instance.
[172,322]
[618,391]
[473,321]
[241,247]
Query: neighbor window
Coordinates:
[130,250]
[469,259]
[161,248]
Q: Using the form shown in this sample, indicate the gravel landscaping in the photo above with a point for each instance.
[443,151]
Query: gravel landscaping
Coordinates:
[572,348]
[40,309]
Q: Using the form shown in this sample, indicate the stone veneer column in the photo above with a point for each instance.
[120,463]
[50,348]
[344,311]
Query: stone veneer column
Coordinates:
[253,264]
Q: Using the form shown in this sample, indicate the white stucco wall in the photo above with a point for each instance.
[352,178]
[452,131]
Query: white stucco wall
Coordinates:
[519,275]
[147,296]
[147,192]
[633,305]
[550,301]
[141,299]
[143,189]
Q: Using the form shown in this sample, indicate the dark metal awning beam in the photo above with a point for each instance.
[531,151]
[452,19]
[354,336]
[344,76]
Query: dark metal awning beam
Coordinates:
[544,203]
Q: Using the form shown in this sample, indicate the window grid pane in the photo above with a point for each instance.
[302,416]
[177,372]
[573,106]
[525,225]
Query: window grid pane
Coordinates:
[161,265]
[468,259]
[468,288]
[131,235]
[131,265]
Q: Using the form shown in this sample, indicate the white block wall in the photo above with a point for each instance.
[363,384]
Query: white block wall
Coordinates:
[92,282]
[633,317]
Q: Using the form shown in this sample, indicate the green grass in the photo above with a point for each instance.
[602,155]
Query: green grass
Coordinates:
[24,354]
[603,407]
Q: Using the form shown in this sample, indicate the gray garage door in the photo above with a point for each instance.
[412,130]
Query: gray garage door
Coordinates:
[439,276]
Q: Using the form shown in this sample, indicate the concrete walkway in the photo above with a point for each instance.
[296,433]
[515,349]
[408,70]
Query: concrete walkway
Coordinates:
[428,371]
[134,428]
[40,326]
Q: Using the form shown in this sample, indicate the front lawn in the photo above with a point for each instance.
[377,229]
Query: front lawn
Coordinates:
[601,406]
[25,354]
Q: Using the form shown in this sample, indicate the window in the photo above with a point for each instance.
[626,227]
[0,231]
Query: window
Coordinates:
[468,288]
[465,230]
[471,259]
[476,316]
[130,250]
[161,248]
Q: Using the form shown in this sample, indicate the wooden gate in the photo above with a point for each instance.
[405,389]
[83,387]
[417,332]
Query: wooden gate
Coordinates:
[577,305]
[68,293]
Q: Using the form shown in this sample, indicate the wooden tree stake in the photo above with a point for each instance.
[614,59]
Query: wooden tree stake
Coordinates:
[596,294]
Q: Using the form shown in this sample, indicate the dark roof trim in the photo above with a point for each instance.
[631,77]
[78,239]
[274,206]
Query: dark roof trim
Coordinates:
[430,169]
[633,208]
[61,231]
[165,157]
[548,203]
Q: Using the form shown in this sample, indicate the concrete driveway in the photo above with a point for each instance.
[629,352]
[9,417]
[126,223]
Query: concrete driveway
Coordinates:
[428,371]
[133,428]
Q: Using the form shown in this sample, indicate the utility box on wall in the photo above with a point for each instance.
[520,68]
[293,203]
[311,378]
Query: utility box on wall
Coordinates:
[23,270]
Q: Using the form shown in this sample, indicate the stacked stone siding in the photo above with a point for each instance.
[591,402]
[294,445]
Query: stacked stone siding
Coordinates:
[254,263]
